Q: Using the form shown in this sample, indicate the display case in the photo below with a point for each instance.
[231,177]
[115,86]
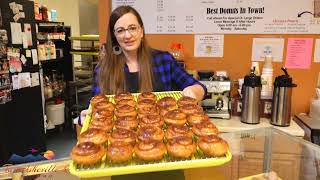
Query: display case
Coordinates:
[253,152]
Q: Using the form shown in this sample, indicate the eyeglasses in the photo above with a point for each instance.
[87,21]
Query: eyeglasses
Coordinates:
[132,29]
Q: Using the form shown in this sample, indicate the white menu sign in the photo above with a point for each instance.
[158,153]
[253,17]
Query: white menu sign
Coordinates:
[226,17]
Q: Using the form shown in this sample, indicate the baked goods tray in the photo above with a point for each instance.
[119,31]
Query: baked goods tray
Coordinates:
[107,168]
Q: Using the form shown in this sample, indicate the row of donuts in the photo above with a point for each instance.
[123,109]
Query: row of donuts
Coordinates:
[150,136]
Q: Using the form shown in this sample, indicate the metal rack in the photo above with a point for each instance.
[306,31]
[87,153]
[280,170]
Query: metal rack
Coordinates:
[85,53]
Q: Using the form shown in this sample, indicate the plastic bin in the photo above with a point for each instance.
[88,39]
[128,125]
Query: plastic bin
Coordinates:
[55,113]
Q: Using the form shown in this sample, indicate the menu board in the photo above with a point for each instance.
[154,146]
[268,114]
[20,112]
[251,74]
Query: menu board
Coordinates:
[226,17]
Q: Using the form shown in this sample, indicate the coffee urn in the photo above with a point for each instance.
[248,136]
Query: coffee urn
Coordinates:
[281,105]
[251,90]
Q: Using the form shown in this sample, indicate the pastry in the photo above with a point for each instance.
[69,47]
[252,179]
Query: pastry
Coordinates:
[181,147]
[175,117]
[213,145]
[166,101]
[105,124]
[94,135]
[184,100]
[146,103]
[103,106]
[191,109]
[150,150]
[124,95]
[178,131]
[102,114]
[165,109]
[119,152]
[129,102]
[151,120]
[99,98]
[126,122]
[147,95]
[146,133]
[205,128]
[125,110]
[196,118]
[87,153]
[143,111]
[123,135]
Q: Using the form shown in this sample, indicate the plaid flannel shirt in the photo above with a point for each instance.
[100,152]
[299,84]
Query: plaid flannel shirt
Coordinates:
[171,74]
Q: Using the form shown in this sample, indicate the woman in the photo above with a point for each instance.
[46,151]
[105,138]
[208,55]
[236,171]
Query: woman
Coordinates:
[127,63]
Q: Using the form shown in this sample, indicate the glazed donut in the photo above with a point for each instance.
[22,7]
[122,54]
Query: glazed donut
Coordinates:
[87,153]
[191,109]
[119,152]
[213,145]
[127,122]
[125,110]
[166,101]
[102,114]
[151,120]
[147,95]
[123,95]
[181,147]
[150,150]
[197,118]
[147,133]
[146,103]
[99,98]
[184,100]
[205,128]
[165,109]
[103,106]
[122,102]
[178,131]
[94,135]
[101,123]
[175,117]
[143,111]
[123,135]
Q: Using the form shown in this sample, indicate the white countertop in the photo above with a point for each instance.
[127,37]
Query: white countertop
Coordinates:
[234,124]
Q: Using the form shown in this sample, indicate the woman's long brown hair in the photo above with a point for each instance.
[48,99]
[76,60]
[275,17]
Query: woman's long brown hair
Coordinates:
[111,66]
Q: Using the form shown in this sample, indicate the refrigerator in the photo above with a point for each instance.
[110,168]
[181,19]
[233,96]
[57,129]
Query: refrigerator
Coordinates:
[22,129]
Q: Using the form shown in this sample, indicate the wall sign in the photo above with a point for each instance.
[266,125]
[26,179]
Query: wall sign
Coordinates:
[226,17]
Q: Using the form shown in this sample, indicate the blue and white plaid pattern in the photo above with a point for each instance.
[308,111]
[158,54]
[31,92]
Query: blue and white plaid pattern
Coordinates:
[168,70]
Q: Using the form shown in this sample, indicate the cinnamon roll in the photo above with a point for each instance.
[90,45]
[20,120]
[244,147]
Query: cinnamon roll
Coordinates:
[150,150]
[123,95]
[175,117]
[146,103]
[101,123]
[103,106]
[94,135]
[102,114]
[143,111]
[197,118]
[205,128]
[147,95]
[151,120]
[191,109]
[122,102]
[178,131]
[165,109]
[213,145]
[166,101]
[126,122]
[125,110]
[87,153]
[119,152]
[123,135]
[184,100]
[181,147]
[146,133]
[99,98]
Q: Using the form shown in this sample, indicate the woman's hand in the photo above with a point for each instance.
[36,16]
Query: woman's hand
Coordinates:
[195,91]
[83,115]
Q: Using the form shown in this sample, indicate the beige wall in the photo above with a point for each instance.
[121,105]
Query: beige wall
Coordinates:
[67,11]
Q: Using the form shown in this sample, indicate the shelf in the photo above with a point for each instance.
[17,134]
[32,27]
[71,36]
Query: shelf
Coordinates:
[5,87]
[4,72]
[84,53]
[51,60]
[54,40]
[49,23]
[85,38]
